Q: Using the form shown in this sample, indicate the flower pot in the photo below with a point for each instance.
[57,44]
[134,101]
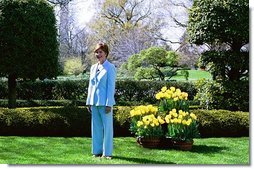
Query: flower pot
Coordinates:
[183,145]
[166,143]
[149,142]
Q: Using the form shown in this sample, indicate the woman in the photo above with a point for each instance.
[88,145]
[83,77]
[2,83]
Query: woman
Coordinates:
[100,101]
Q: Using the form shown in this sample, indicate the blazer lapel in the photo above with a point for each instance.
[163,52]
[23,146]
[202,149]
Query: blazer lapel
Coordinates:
[102,72]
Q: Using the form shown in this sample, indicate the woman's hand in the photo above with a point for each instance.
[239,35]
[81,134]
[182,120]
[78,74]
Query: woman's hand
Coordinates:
[108,109]
[89,109]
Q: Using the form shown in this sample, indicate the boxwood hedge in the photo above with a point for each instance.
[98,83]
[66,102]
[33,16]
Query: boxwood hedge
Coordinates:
[75,121]
[128,92]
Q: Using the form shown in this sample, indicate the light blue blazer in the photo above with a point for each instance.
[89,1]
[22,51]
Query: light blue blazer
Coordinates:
[101,87]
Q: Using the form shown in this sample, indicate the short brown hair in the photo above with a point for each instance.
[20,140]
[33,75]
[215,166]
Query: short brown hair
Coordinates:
[102,46]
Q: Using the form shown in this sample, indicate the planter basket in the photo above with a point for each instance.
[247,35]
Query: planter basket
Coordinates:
[149,142]
[161,143]
[183,145]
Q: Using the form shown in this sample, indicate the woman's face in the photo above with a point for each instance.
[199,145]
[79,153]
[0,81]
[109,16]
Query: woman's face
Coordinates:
[100,55]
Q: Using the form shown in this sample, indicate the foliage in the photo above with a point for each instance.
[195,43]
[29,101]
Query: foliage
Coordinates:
[227,65]
[126,26]
[24,121]
[28,42]
[73,66]
[51,121]
[128,92]
[153,63]
[75,121]
[223,123]
[219,21]
[28,38]
[206,90]
[230,95]
[224,27]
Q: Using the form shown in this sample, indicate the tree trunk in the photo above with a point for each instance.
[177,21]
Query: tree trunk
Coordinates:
[12,91]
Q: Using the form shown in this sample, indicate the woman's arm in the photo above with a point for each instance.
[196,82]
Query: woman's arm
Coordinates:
[111,80]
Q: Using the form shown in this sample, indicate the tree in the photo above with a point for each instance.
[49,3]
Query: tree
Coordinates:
[153,63]
[125,13]
[127,26]
[28,42]
[224,26]
[222,23]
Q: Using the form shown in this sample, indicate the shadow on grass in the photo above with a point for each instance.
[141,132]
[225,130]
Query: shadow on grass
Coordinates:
[207,149]
[196,149]
[142,160]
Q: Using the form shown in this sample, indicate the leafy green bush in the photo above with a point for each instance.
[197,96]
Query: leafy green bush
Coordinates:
[222,123]
[128,92]
[51,121]
[3,89]
[143,92]
[212,123]
[230,95]
[76,121]
[25,121]
[44,103]
[52,90]
[73,66]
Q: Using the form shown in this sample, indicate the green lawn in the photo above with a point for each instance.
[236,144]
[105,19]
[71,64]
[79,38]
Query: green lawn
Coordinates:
[77,150]
[193,75]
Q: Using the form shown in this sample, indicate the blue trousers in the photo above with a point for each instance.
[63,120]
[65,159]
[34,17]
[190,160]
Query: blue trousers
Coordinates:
[102,131]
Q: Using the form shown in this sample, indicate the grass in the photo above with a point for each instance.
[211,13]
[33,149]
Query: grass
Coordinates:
[77,150]
[193,75]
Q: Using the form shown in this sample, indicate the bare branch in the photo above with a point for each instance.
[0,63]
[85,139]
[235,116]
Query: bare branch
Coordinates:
[59,2]
[179,23]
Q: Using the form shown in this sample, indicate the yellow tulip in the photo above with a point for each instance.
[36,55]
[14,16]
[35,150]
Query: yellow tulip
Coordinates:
[158,96]
[175,114]
[175,120]
[163,89]
[178,91]
[169,92]
[180,112]
[193,116]
[179,121]
[132,113]
[161,121]
[167,120]
[172,89]
[175,99]
[189,120]
[184,122]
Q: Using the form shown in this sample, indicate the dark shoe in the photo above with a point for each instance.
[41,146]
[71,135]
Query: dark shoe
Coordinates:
[97,155]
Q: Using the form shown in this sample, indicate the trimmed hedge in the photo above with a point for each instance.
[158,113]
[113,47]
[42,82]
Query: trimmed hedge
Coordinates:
[128,92]
[75,121]
[44,121]
[223,123]
[51,121]
[44,103]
